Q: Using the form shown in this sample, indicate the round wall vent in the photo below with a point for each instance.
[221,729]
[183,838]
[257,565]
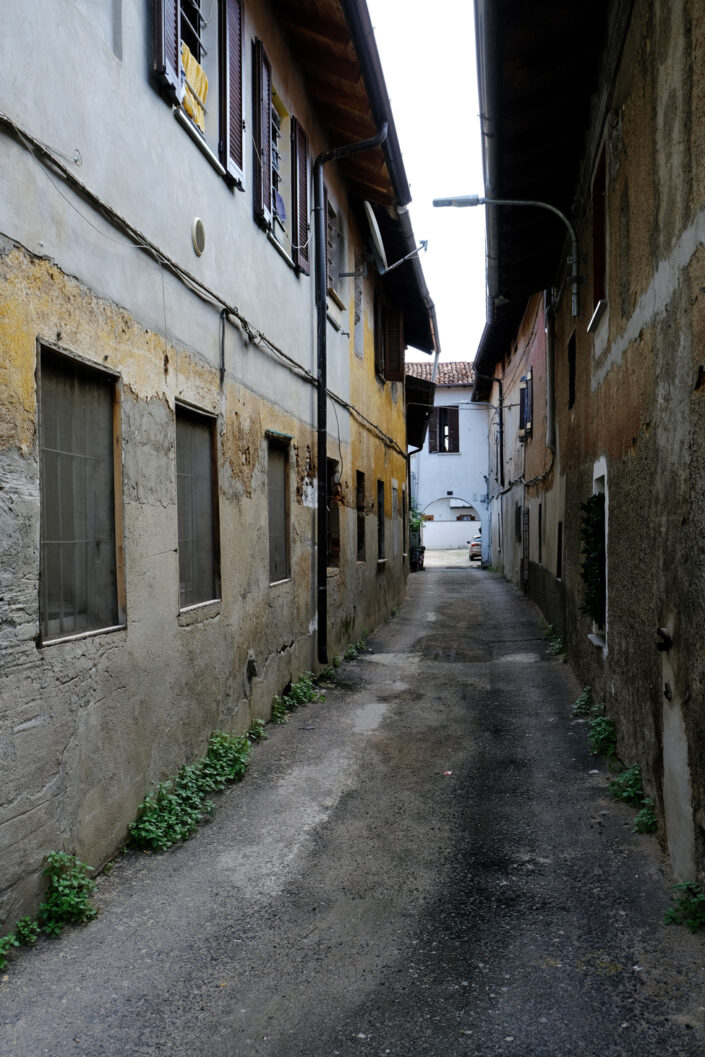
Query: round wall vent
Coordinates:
[198,236]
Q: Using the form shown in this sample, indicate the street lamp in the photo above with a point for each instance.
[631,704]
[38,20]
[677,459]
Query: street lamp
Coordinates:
[461,201]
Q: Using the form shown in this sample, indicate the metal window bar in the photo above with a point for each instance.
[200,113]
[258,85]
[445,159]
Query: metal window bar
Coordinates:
[196,32]
[78,567]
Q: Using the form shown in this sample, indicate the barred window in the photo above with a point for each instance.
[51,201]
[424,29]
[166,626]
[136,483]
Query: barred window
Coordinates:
[78,572]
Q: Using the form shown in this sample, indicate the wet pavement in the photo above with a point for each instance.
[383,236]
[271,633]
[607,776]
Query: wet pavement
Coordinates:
[426,863]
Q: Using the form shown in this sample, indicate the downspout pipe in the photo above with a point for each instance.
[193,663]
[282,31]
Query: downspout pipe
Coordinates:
[319,231]
[500,421]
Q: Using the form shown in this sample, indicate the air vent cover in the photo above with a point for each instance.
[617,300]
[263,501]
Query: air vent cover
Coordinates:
[198,236]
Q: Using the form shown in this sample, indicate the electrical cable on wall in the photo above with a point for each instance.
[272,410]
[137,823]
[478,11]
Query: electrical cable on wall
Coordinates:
[44,157]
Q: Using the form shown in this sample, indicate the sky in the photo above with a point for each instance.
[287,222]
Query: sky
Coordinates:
[428,58]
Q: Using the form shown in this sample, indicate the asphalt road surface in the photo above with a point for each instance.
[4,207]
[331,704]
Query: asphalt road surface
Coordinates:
[427,863]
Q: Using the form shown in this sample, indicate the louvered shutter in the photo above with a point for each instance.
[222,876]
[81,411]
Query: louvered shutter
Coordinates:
[522,407]
[394,347]
[433,432]
[166,45]
[299,194]
[262,99]
[529,401]
[453,430]
[231,125]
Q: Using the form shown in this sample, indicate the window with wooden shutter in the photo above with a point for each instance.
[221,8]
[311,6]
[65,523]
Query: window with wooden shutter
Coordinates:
[231,108]
[380,336]
[394,347]
[444,431]
[525,406]
[299,198]
[453,433]
[433,432]
[262,135]
[167,46]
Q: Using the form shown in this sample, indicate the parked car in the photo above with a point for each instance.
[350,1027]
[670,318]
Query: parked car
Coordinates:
[475,548]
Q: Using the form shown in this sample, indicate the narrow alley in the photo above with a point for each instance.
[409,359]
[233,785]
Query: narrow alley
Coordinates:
[426,863]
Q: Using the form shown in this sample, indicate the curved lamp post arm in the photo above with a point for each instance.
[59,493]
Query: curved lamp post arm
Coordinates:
[462,201]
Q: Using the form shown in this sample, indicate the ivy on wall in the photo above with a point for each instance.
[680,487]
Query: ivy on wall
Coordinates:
[593,556]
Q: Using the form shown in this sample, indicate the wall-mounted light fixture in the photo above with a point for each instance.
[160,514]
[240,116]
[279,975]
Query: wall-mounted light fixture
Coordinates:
[462,201]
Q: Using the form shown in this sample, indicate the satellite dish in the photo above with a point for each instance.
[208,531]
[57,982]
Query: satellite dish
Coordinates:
[376,237]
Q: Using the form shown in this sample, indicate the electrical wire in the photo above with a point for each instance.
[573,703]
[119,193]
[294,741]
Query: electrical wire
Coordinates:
[43,156]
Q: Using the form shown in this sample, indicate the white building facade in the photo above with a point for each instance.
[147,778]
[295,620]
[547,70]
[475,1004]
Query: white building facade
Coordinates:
[449,474]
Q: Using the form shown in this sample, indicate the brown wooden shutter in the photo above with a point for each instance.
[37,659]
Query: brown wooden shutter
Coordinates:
[299,198]
[325,221]
[433,432]
[262,128]
[394,347]
[231,125]
[167,64]
[453,430]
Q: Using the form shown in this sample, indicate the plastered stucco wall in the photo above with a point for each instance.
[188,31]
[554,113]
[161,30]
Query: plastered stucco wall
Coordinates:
[88,726]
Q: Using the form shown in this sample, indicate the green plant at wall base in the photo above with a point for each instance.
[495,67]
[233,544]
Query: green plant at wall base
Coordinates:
[602,735]
[68,898]
[279,710]
[415,518]
[688,907]
[27,932]
[258,731]
[628,786]
[175,810]
[555,642]
[6,945]
[584,703]
[299,693]
[646,821]
[593,556]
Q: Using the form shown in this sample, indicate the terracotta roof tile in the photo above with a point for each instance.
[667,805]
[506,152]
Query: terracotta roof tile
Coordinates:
[458,372]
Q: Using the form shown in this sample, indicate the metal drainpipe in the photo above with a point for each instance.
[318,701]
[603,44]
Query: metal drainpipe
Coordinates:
[319,228]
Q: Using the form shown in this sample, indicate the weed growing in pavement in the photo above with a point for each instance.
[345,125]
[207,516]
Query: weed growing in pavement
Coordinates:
[356,648]
[298,694]
[6,945]
[628,786]
[602,734]
[27,932]
[688,907]
[175,810]
[67,902]
[555,646]
[584,703]
[68,898]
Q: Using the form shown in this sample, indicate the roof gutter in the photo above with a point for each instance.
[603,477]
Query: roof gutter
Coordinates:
[487,28]
[363,35]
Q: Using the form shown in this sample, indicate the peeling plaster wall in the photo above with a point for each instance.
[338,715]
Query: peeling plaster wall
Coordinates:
[88,726]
